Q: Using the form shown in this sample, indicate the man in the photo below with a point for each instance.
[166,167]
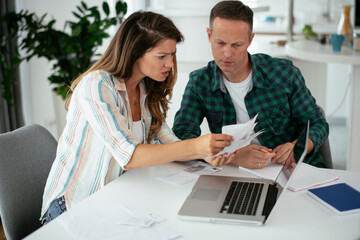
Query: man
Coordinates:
[236,86]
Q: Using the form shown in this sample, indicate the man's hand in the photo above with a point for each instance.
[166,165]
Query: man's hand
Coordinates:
[282,152]
[293,165]
[252,157]
[285,154]
[290,162]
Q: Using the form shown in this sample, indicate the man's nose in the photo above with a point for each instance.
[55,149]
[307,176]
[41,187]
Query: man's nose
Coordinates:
[227,51]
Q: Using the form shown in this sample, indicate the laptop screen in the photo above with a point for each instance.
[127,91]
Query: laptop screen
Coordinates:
[284,174]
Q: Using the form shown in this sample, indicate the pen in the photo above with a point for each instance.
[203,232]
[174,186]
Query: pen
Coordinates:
[263,150]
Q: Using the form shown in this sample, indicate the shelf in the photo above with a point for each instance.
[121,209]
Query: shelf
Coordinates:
[314,51]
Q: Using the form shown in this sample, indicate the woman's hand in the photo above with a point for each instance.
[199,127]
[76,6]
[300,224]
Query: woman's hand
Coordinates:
[211,144]
[220,160]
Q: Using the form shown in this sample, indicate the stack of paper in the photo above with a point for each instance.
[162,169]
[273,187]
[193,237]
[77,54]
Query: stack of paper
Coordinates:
[243,134]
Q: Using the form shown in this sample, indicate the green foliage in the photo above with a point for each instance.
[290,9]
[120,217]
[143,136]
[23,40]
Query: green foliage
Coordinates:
[308,32]
[71,50]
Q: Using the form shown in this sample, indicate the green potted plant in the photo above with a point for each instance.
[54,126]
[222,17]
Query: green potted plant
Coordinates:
[71,50]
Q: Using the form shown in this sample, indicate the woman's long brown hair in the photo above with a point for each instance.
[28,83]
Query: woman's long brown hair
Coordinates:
[140,32]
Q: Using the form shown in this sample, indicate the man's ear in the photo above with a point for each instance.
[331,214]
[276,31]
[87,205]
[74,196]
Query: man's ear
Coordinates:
[208,33]
[251,38]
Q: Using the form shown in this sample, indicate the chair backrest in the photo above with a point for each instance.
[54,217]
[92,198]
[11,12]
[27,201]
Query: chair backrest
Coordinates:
[26,156]
[325,148]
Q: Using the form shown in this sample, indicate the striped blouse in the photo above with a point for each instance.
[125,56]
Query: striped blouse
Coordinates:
[97,141]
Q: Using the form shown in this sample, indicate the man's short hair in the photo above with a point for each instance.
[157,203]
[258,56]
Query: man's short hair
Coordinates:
[232,10]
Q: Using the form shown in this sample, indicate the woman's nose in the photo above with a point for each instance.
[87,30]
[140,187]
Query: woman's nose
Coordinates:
[169,63]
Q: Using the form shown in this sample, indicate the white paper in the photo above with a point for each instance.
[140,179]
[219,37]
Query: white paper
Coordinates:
[240,131]
[188,174]
[236,144]
[308,176]
[271,171]
[243,135]
[116,222]
[156,217]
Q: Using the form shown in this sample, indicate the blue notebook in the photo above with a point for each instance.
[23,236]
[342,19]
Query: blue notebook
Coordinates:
[340,198]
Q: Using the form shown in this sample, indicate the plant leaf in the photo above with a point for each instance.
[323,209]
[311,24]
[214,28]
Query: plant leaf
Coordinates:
[118,7]
[42,18]
[106,8]
[124,8]
[84,5]
[51,23]
[80,9]
[76,15]
[76,31]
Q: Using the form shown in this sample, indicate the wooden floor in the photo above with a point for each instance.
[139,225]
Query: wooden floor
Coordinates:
[2,234]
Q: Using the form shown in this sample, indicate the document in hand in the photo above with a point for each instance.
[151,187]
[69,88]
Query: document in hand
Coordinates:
[243,134]
[308,176]
[340,198]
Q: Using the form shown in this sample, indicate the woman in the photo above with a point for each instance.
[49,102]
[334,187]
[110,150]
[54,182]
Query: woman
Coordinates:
[116,114]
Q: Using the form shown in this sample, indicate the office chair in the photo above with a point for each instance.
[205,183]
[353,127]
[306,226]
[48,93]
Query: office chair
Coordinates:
[26,156]
[325,147]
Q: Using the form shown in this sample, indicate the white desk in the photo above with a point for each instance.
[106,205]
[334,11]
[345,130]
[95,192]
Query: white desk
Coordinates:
[296,216]
[315,52]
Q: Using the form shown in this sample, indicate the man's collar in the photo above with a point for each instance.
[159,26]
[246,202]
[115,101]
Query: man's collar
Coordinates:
[217,80]
[257,74]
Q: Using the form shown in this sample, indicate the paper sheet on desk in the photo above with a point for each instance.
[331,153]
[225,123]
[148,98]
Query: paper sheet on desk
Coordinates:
[271,171]
[188,174]
[242,133]
[116,222]
[307,176]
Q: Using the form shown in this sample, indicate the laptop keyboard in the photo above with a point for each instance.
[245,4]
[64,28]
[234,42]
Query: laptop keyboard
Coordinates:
[242,198]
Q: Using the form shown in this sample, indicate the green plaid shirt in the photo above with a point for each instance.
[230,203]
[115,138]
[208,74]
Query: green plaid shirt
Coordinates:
[279,95]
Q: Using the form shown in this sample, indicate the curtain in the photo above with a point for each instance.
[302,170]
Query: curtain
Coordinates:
[11,115]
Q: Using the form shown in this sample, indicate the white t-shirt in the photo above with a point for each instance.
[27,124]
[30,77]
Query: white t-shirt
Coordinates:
[138,131]
[237,93]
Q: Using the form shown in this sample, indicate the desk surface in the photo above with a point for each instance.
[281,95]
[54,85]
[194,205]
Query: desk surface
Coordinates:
[296,216]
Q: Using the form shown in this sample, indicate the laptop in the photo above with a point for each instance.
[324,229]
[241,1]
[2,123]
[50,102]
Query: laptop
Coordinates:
[242,200]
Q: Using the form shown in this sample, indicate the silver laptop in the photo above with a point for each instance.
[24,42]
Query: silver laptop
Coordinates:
[226,199]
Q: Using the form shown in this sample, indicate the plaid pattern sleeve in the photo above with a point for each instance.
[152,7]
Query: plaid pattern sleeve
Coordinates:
[279,95]
[284,104]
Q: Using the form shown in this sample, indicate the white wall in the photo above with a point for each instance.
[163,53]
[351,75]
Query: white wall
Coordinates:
[41,105]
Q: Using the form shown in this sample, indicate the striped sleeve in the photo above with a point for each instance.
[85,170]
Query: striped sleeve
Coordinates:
[165,135]
[102,109]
